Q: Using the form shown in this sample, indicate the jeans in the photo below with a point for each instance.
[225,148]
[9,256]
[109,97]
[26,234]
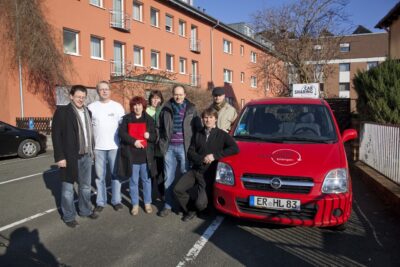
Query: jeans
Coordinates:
[67,191]
[102,157]
[175,154]
[142,171]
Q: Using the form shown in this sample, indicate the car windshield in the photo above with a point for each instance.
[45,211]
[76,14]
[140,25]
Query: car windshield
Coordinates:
[286,123]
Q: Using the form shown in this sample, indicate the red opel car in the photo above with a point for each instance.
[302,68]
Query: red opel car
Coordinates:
[292,167]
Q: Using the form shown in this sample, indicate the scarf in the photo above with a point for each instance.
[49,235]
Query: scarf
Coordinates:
[83,149]
[218,107]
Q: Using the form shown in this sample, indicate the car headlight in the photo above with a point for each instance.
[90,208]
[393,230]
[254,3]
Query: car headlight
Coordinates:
[335,182]
[224,174]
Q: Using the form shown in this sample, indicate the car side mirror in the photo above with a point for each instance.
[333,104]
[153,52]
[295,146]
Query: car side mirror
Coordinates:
[349,134]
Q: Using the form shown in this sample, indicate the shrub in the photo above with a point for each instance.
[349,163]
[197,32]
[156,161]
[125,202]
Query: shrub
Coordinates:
[379,93]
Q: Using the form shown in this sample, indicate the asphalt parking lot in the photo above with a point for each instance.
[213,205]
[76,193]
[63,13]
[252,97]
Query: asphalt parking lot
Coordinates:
[32,233]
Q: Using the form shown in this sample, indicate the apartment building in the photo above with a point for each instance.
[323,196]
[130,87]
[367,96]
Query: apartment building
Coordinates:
[361,50]
[391,23]
[111,39]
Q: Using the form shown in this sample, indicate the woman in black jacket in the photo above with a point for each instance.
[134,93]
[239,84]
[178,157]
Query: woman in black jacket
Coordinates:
[138,135]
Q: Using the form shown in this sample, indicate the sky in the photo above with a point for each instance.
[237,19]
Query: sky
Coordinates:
[361,12]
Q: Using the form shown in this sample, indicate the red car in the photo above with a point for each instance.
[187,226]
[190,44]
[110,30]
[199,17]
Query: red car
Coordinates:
[292,167]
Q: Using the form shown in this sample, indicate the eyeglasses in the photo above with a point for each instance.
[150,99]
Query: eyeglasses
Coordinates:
[80,97]
[104,89]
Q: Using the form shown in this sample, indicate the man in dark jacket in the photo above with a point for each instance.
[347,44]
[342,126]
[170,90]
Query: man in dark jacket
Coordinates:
[72,135]
[177,123]
[206,148]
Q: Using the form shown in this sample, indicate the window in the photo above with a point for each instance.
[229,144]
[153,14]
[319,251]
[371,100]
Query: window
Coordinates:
[242,77]
[138,56]
[317,47]
[344,86]
[253,57]
[155,57]
[169,23]
[227,46]
[344,47]
[344,67]
[98,3]
[253,82]
[182,28]
[227,76]
[138,11]
[96,47]
[182,65]
[169,62]
[241,50]
[154,14]
[372,64]
[71,42]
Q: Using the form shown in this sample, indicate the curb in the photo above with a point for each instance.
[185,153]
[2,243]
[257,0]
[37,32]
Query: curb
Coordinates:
[387,190]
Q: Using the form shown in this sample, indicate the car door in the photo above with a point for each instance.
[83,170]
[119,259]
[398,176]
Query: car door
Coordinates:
[9,139]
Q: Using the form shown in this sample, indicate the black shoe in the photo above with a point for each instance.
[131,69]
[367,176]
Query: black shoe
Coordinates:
[164,213]
[98,209]
[189,216]
[93,216]
[72,224]
[118,207]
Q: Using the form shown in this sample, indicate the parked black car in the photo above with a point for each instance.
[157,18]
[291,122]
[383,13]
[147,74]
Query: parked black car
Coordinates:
[22,142]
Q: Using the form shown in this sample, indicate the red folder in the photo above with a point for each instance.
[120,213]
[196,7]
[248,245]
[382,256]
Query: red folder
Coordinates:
[137,130]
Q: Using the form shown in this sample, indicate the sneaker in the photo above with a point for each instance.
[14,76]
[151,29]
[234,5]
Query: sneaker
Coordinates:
[148,208]
[93,216]
[118,207]
[135,210]
[72,224]
[98,209]
[189,216]
[164,212]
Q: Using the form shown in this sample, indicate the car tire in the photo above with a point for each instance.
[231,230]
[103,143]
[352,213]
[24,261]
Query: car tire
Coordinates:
[28,149]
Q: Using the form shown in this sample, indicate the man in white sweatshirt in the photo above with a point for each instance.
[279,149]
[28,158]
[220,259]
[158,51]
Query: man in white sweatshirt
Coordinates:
[106,116]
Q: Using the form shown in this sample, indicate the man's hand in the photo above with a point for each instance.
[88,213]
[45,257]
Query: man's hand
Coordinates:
[62,163]
[138,144]
[208,159]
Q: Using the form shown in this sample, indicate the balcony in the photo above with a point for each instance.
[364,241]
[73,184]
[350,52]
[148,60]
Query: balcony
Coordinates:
[120,21]
[119,68]
[195,80]
[194,45]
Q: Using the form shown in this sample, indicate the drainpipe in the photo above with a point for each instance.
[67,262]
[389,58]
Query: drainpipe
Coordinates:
[212,50]
[21,96]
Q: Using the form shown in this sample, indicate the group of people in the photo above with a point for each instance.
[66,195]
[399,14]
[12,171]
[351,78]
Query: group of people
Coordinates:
[167,143]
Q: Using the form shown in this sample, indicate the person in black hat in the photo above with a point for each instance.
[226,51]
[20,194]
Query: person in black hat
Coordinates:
[226,113]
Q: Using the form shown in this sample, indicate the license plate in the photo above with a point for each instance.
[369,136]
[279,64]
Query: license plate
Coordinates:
[274,203]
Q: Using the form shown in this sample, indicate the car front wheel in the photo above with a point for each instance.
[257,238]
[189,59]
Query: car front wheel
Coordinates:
[28,149]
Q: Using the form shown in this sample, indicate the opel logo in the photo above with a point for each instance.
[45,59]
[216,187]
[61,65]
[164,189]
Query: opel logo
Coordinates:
[276,183]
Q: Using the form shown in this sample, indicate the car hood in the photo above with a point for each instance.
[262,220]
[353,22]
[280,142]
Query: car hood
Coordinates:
[305,160]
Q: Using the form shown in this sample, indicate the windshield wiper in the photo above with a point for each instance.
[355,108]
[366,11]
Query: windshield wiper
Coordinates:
[258,138]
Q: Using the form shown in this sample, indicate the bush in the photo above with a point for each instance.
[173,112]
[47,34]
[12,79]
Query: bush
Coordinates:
[379,93]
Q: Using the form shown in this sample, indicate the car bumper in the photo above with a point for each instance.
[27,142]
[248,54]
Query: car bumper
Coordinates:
[321,211]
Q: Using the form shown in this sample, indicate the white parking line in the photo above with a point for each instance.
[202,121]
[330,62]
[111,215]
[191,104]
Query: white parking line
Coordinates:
[198,246]
[25,177]
[21,160]
[30,218]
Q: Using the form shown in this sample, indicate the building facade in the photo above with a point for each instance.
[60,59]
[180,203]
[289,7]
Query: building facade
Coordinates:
[391,23]
[112,39]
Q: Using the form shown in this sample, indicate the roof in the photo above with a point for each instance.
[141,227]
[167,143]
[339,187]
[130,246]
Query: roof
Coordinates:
[287,100]
[387,20]
[218,24]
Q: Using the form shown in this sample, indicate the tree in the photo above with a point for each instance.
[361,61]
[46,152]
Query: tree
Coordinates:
[379,93]
[28,37]
[302,35]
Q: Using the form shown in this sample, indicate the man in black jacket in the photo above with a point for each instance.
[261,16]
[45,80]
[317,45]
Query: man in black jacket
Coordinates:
[177,122]
[72,135]
[206,148]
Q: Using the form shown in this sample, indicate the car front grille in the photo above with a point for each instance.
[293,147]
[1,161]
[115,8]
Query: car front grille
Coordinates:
[288,184]
[307,211]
